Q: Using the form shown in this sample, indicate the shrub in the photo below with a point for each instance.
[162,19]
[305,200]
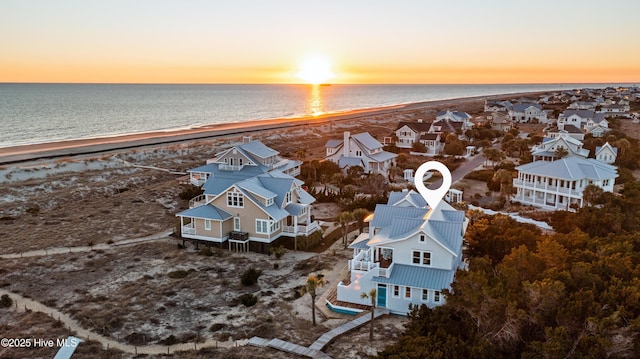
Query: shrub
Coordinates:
[206,251]
[278,251]
[189,192]
[248,299]
[250,277]
[215,327]
[5,301]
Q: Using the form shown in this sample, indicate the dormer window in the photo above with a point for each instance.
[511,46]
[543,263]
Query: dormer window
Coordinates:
[287,197]
[269,201]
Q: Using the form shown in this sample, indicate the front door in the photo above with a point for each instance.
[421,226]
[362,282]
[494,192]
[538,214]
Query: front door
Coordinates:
[382,295]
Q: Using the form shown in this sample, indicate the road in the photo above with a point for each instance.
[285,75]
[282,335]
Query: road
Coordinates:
[461,171]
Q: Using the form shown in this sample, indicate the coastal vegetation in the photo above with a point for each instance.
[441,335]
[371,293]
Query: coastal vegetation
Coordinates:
[527,294]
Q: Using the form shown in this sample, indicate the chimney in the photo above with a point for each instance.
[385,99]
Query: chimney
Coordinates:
[346,148]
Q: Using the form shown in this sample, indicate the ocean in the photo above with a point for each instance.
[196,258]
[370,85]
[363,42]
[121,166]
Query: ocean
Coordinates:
[37,113]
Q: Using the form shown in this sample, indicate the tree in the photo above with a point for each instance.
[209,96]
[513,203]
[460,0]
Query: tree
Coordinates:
[505,178]
[394,172]
[454,148]
[592,194]
[344,218]
[313,282]
[494,155]
[560,152]
[301,154]
[418,147]
[402,160]
[371,295]
[359,214]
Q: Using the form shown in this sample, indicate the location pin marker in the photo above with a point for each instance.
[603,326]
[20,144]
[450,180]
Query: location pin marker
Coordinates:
[433,197]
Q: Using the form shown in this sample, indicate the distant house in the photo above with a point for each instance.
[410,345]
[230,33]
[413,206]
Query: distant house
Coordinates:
[583,105]
[614,110]
[606,153]
[409,133]
[559,185]
[546,151]
[527,113]
[500,121]
[581,119]
[496,106]
[248,203]
[456,122]
[360,150]
[410,255]
[562,130]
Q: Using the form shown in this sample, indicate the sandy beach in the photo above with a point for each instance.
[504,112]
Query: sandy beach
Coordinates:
[29,152]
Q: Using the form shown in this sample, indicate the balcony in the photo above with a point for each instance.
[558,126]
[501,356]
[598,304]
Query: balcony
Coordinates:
[197,201]
[225,167]
[239,236]
[302,230]
[385,272]
[189,229]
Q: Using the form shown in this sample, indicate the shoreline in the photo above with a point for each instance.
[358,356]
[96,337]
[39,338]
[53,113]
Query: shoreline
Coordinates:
[47,150]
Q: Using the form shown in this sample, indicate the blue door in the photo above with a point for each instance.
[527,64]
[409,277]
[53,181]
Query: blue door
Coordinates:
[382,295]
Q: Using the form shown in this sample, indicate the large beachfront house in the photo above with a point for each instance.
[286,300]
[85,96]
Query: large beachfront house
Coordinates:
[559,185]
[527,112]
[360,150]
[250,200]
[409,255]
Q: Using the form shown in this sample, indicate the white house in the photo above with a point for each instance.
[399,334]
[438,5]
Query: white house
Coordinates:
[248,202]
[546,150]
[409,133]
[496,106]
[527,112]
[606,153]
[565,130]
[360,150]
[409,255]
[559,185]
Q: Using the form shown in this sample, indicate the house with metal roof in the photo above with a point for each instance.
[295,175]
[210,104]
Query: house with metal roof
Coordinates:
[546,151]
[559,185]
[527,113]
[410,254]
[360,150]
[606,153]
[248,202]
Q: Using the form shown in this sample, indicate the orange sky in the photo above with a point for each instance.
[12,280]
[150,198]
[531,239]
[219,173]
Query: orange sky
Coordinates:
[163,41]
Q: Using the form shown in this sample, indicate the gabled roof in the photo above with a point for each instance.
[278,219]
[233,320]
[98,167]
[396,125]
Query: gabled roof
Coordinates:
[429,137]
[219,180]
[456,116]
[585,114]
[258,149]
[411,197]
[571,168]
[521,107]
[334,143]
[350,162]
[418,277]
[415,126]
[207,211]
[607,145]
[382,156]
[367,140]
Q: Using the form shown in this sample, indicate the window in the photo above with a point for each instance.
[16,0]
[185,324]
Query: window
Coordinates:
[416,257]
[426,258]
[396,291]
[236,223]
[436,296]
[235,199]
[425,295]
[407,292]
[358,153]
[240,161]
[262,226]
[287,197]
[269,201]
[207,224]
[275,225]
[419,257]
[422,238]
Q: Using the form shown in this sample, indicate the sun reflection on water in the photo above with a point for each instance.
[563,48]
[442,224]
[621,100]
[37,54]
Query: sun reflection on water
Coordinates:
[316,105]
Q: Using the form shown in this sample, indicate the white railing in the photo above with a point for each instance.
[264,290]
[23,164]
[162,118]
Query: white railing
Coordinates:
[197,201]
[385,272]
[224,167]
[188,229]
[302,230]
[197,181]
[361,265]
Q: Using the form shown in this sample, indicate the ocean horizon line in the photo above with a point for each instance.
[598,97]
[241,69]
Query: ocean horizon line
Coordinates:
[327,83]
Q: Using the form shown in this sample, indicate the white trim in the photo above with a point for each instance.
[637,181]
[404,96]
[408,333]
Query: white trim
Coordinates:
[393,291]
[204,238]
[407,288]
[422,295]
[207,224]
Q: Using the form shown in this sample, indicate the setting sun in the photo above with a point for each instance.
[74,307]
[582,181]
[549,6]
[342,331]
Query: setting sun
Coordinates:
[315,70]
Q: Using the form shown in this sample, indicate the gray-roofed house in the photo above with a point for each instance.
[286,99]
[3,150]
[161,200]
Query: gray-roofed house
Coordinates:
[409,133]
[559,185]
[409,255]
[248,202]
[527,113]
[360,150]
[606,153]
[546,150]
